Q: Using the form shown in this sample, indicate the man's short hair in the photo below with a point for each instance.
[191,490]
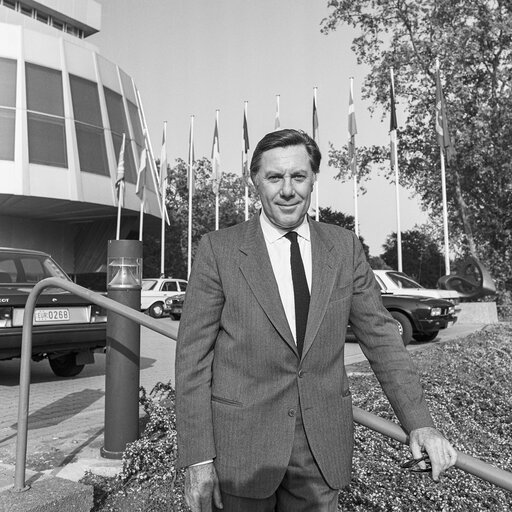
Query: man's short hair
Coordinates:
[283,139]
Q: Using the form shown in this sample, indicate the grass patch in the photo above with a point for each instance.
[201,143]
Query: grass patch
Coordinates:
[468,386]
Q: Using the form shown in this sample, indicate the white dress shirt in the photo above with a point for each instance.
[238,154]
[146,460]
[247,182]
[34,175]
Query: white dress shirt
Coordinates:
[279,251]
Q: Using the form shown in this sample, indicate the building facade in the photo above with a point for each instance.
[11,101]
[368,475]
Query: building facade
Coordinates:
[63,112]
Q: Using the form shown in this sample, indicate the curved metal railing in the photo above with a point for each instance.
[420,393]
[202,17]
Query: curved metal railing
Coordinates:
[465,462]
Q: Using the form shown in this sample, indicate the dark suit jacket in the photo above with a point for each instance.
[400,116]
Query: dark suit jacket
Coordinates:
[239,379]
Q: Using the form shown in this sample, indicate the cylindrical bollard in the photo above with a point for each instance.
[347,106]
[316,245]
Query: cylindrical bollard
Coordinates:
[124,273]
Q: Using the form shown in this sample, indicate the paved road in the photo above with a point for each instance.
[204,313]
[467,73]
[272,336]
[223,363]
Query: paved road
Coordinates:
[66,415]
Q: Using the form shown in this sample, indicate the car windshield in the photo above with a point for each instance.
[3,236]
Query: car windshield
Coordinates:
[403,281]
[148,284]
[23,268]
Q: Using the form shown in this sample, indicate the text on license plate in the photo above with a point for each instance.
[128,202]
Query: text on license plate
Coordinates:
[51,315]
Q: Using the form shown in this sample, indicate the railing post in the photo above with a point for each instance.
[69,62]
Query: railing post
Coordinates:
[124,271]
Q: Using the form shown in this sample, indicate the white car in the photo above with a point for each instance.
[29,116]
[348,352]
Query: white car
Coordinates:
[155,291]
[398,283]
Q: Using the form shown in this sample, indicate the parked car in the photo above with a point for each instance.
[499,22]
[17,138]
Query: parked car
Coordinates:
[66,328]
[156,290]
[398,283]
[418,318]
[174,306]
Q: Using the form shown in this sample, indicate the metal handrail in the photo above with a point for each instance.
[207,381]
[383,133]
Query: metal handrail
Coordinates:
[26,353]
[465,462]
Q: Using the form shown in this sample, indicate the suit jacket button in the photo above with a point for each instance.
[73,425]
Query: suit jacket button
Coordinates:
[291,413]
[301,374]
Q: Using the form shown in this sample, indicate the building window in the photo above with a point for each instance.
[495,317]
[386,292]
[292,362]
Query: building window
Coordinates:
[118,126]
[27,11]
[90,134]
[42,17]
[10,4]
[45,115]
[7,125]
[7,108]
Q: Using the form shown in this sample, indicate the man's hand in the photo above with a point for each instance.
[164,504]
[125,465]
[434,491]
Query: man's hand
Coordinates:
[441,453]
[201,486]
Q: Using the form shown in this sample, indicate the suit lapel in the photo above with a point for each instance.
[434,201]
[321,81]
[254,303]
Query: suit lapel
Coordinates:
[257,270]
[325,268]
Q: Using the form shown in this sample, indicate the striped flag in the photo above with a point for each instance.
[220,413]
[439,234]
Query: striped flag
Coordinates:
[245,147]
[120,173]
[277,122]
[141,176]
[315,117]
[352,130]
[216,170]
[392,123]
[443,135]
[191,182]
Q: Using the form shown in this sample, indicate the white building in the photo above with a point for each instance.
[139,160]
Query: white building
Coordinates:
[63,111]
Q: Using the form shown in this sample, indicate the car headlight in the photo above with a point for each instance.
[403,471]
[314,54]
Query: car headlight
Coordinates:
[435,311]
[451,311]
[5,317]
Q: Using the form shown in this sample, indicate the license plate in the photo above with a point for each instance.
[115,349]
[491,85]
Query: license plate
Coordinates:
[51,315]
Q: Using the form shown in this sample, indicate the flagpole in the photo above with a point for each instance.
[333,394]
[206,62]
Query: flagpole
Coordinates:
[163,173]
[245,163]
[190,183]
[316,137]
[121,194]
[141,219]
[445,216]
[216,171]
[120,185]
[394,159]
[441,127]
[352,130]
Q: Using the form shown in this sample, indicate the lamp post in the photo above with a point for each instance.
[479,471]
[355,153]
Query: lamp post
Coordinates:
[124,273]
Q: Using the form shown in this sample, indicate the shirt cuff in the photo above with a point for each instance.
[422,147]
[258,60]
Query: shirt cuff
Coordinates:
[201,463]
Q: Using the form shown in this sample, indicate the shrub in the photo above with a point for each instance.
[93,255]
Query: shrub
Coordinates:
[468,386]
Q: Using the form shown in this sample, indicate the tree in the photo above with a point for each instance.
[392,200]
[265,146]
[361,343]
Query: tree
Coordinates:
[421,258]
[345,221]
[473,41]
[231,211]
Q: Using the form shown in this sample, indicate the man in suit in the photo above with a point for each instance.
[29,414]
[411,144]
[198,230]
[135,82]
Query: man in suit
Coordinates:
[262,397]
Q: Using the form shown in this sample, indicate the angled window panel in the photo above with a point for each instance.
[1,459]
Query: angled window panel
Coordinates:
[7,133]
[46,140]
[90,136]
[7,83]
[44,90]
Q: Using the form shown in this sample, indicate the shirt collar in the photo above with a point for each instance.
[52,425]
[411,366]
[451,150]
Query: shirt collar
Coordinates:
[273,233]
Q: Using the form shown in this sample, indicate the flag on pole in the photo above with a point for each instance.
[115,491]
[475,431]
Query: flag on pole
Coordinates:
[163,160]
[141,176]
[352,130]
[120,174]
[191,182]
[315,117]
[216,170]
[443,135]
[392,123]
[245,147]
[277,122]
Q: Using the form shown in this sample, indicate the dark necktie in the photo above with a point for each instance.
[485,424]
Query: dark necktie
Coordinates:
[300,290]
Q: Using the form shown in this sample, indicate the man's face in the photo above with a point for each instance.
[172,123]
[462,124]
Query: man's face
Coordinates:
[284,183]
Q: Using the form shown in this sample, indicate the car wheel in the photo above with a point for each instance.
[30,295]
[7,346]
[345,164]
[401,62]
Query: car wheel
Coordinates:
[426,336]
[65,365]
[156,310]
[404,326]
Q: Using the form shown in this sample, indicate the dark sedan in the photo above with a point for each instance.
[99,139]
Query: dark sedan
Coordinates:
[67,329]
[419,318]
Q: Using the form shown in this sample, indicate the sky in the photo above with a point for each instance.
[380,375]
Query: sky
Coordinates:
[192,57]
